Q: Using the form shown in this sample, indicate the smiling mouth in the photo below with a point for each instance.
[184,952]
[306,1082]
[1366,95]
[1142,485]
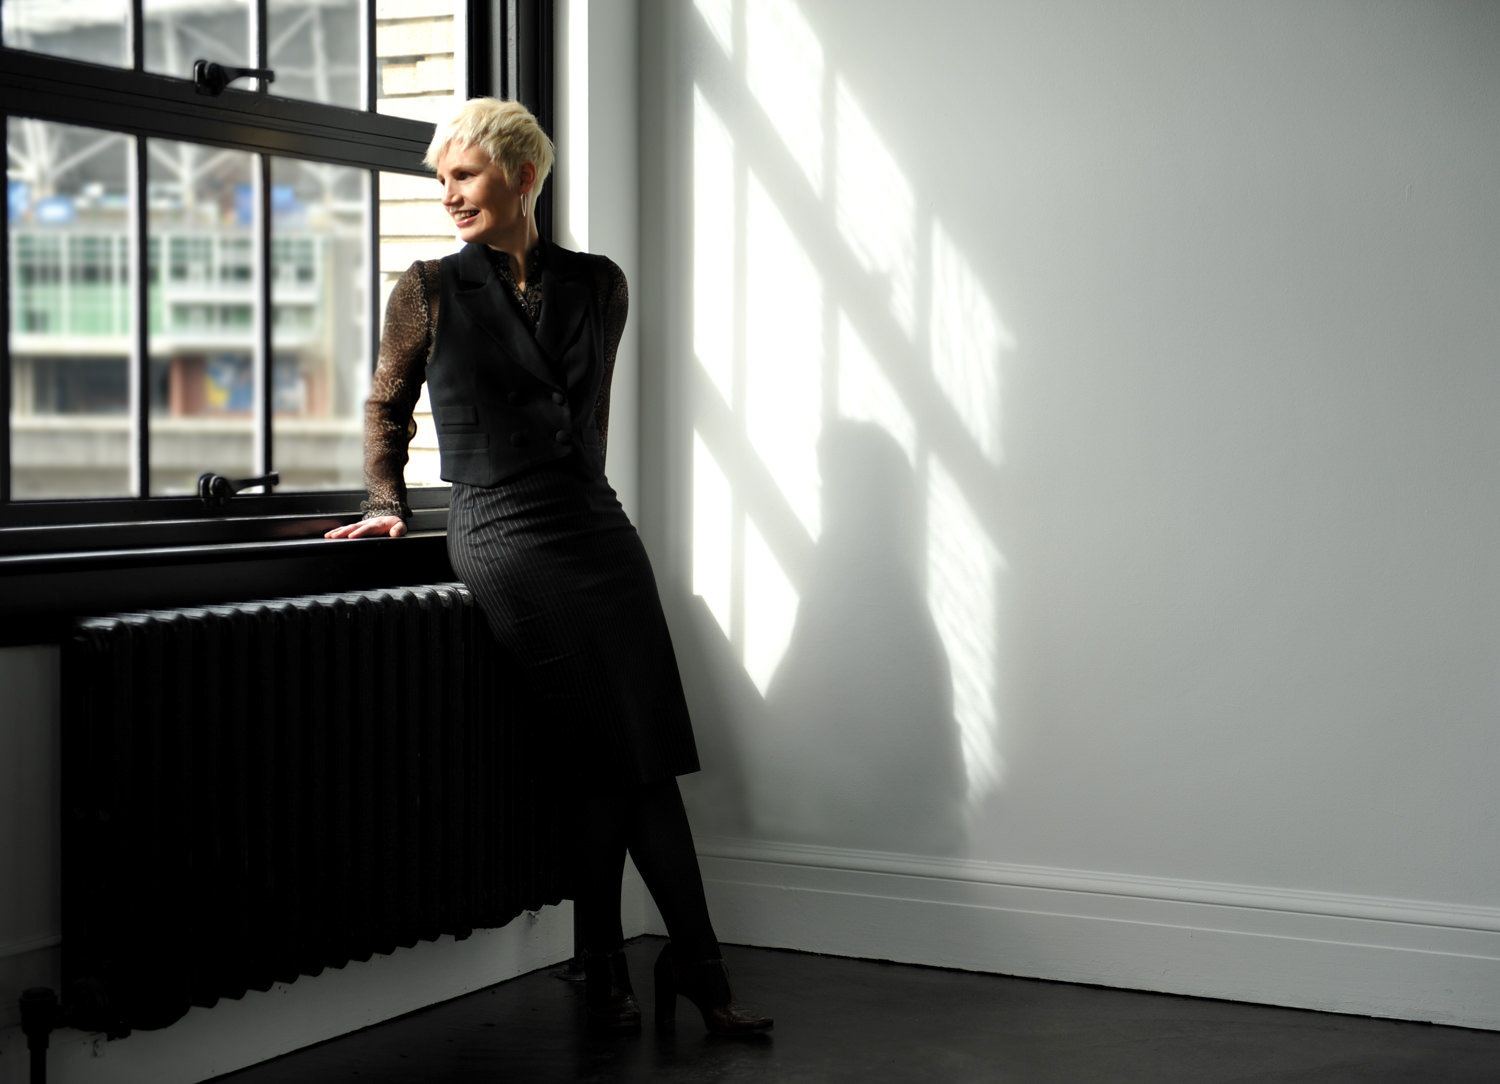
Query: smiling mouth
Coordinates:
[463,216]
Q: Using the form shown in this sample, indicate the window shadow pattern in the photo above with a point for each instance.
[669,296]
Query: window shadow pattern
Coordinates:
[843,579]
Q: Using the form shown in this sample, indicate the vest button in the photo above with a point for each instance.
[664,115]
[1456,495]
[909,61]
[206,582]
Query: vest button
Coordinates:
[519,440]
[563,437]
[559,398]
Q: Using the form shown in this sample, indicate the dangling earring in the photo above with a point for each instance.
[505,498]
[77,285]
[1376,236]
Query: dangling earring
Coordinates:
[523,204]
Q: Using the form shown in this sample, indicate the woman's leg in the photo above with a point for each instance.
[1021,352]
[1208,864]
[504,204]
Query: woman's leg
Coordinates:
[661,844]
[600,838]
[689,966]
[651,823]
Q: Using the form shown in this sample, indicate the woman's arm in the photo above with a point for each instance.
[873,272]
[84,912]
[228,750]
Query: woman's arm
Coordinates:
[402,366]
[612,293]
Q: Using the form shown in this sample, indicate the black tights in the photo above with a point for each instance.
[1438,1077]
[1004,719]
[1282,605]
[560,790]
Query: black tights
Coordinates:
[650,822]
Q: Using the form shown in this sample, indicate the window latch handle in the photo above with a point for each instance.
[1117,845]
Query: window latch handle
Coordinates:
[211,78]
[216,491]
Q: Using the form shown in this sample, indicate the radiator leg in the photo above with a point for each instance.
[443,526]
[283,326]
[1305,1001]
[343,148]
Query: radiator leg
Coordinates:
[40,1016]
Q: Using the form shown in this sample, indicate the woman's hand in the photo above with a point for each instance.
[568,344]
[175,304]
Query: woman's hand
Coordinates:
[394,526]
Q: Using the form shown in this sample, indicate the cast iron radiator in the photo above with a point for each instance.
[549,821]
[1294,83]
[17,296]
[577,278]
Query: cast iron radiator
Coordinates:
[259,791]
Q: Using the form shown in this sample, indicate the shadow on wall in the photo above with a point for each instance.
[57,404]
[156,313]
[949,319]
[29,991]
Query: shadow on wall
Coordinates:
[860,747]
[841,421]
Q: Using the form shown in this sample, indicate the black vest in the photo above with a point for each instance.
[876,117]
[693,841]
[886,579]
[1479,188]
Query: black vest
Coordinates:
[504,399]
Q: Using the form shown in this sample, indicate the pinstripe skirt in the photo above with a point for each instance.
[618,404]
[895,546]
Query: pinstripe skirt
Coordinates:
[568,591]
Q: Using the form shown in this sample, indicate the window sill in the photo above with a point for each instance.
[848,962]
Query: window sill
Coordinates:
[41,593]
[69,539]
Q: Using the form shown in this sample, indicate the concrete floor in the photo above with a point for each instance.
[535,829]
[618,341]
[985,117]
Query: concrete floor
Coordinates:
[840,1020]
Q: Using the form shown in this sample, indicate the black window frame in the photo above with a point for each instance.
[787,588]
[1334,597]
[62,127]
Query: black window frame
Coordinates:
[508,52]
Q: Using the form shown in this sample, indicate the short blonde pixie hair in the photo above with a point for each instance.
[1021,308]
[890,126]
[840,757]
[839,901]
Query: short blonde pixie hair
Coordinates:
[506,131]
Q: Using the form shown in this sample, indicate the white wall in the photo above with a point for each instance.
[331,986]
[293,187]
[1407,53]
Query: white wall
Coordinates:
[1068,455]
[595,201]
[30,826]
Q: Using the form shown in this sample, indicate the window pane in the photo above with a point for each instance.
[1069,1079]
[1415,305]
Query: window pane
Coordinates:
[314,50]
[414,48]
[71,313]
[202,304]
[413,227]
[93,31]
[179,32]
[319,306]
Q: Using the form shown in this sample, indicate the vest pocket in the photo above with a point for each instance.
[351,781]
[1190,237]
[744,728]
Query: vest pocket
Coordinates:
[459,414]
[457,428]
[450,440]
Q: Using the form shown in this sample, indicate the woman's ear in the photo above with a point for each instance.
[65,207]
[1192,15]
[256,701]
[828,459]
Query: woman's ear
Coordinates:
[527,176]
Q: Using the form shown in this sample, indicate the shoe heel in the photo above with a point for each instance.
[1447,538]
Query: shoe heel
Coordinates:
[609,1000]
[706,984]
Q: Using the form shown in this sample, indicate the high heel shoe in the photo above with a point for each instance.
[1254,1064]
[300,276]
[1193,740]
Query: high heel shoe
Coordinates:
[607,994]
[706,984]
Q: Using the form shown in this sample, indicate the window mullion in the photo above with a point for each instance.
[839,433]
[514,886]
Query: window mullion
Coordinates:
[140,347]
[485,44]
[68,92]
[137,31]
[369,69]
[504,80]
[372,267]
[258,42]
[262,356]
[6,270]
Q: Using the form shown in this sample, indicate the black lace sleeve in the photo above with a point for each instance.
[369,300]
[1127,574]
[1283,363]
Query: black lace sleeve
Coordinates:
[613,297]
[405,344]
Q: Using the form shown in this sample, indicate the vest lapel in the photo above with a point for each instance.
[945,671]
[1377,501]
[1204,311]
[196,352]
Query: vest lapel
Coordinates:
[566,303]
[481,297]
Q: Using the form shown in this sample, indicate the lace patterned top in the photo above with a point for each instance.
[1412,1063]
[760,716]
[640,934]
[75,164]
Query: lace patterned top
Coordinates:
[529,299]
[406,344]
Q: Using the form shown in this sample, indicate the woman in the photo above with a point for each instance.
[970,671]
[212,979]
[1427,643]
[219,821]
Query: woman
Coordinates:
[516,339]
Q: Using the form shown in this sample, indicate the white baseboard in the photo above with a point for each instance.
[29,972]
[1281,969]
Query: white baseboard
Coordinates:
[289,1016]
[1410,960]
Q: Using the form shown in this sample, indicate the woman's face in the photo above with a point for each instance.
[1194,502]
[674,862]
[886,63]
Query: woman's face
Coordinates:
[485,207]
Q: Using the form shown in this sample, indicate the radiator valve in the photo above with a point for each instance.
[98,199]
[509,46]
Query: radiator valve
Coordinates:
[41,1015]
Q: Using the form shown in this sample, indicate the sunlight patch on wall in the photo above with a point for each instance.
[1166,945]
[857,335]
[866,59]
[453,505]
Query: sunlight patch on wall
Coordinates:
[963,573]
[784,69]
[713,246]
[866,394]
[770,609]
[967,340]
[784,355]
[876,207]
[713,535]
[718,16]
[843,301]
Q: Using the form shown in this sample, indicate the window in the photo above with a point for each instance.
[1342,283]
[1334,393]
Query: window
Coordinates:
[194,283]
